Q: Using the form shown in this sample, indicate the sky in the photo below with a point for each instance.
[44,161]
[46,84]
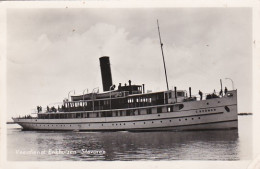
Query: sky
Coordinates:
[53,51]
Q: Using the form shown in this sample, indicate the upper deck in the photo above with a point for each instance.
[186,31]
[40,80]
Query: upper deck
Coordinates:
[119,100]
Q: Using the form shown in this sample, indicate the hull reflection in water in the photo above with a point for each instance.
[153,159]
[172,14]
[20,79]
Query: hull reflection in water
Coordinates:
[189,145]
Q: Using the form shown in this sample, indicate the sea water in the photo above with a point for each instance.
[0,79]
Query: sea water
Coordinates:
[232,145]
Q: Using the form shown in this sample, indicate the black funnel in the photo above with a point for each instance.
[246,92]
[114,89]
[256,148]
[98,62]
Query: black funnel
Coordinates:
[105,72]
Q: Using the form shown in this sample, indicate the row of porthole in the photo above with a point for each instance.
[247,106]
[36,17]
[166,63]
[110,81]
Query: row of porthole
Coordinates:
[218,102]
[116,124]
[153,122]
[206,110]
[120,123]
[50,125]
[191,118]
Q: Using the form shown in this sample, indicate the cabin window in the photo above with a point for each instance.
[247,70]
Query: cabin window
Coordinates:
[129,100]
[108,114]
[128,112]
[149,111]
[159,109]
[87,115]
[116,113]
[170,95]
[170,109]
[121,113]
[180,93]
[229,94]
[138,111]
[137,100]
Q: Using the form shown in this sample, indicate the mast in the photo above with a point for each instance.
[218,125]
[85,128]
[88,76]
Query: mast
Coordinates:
[161,44]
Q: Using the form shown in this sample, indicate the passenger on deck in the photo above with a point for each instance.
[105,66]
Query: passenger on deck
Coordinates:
[113,87]
[214,95]
[38,109]
[220,93]
[119,87]
[200,93]
[53,109]
[226,90]
[48,109]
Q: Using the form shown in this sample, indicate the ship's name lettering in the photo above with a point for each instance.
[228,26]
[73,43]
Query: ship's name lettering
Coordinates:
[27,152]
[59,151]
[93,152]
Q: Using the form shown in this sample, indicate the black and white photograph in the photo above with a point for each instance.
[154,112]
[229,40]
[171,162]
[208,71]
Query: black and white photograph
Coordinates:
[139,84]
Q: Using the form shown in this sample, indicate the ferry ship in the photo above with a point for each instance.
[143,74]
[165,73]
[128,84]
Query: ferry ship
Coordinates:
[129,108]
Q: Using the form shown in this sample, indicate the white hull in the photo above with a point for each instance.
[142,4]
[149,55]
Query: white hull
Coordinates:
[195,115]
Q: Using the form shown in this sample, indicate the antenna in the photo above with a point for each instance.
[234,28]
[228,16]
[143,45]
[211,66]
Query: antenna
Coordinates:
[161,44]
